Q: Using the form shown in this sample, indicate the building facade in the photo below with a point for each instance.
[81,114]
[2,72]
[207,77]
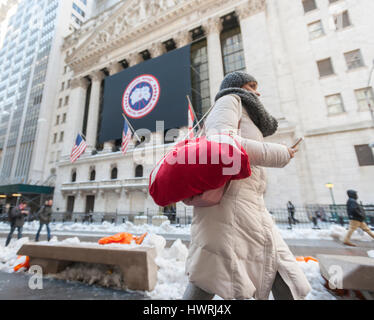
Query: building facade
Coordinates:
[29,60]
[312,59]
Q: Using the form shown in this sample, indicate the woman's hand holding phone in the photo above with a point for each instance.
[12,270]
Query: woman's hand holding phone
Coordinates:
[294,148]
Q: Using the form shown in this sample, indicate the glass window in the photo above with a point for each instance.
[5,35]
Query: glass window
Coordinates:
[232,51]
[200,78]
[309,5]
[354,59]
[334,104]
[315,29]
[365,99]
[325,67]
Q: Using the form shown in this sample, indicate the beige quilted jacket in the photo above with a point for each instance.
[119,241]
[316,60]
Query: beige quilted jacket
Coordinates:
[236,249]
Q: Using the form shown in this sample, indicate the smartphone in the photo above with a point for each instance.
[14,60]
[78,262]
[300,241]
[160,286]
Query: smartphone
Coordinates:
[297,143]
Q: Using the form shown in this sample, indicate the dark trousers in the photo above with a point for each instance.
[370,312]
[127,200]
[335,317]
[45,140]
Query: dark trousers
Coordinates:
[10,235]
[40,229]
[280,290]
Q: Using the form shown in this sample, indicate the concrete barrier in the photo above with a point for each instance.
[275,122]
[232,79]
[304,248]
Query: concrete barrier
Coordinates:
[137,265]
[352,272]
[159,220]
[140,220]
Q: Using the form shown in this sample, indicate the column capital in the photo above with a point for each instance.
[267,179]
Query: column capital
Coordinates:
[79,83]
[114,67]
[250,8]
[134,58]
[213,25]
[157,49]
[182,38]
[97,76]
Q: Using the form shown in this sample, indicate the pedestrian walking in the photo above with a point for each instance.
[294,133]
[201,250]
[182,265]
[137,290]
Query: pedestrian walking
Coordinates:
[291,212]
[236,250]
[16,218]
[44,215]
[357,217]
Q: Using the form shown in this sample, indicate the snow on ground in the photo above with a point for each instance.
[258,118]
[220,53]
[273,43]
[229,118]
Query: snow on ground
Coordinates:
[334,232]
[172,280]
[165,228]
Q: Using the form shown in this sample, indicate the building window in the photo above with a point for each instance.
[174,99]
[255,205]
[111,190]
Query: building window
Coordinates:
[315,30]
[335,104]
[200,78]
[365,155]
[342,20]
[139,172]
[92,175]
[365,99]
[55,138]
[61,136]
[354,59]
[60,103]
[114,174]
[57,120]
[74,176]
[69,81]
[232,51]
[66,100]
[309,5]
[325,67]
[64,118]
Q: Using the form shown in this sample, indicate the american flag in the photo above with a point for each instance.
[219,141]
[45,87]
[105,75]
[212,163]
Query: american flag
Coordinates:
[191,120]
[126,138]
[79,148]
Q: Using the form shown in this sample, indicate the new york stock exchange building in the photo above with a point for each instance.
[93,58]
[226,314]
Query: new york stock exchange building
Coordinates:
[143,58]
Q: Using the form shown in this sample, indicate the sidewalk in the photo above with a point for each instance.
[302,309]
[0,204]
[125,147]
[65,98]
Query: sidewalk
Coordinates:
[15,287]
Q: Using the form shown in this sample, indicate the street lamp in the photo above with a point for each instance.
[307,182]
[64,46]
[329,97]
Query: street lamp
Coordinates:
[330,186]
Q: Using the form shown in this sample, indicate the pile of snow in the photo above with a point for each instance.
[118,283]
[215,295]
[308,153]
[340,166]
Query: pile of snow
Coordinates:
[371,254]
[172,280]
[105,227]
[335,232]
[313,274]
[8,255]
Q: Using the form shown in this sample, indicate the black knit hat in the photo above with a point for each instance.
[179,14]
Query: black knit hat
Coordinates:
[236,79]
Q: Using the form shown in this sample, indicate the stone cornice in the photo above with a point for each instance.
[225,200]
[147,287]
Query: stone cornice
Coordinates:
[121,28]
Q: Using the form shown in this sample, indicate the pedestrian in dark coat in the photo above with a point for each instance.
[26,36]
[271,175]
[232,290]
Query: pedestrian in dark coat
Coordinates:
[291,212]
[17,220]
[357,217]
[44,215]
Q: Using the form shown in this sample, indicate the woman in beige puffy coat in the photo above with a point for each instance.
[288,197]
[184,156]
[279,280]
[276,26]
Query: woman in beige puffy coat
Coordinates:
[236,250]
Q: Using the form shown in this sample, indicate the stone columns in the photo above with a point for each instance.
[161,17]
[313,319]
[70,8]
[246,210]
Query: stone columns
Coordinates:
[213,28]
[93,113]
[182,39]
[134,58]
[114,68]
[76,112]
[157,49]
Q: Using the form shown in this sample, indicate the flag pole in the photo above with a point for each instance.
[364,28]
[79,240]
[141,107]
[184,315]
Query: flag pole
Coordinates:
[193,111]
[131,128]
[83,136]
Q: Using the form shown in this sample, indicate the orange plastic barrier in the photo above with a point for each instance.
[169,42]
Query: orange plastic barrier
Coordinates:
[24,262]
[306,259]
[123,238]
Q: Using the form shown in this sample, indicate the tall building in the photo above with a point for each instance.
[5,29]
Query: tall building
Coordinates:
[30,60]
[312,59]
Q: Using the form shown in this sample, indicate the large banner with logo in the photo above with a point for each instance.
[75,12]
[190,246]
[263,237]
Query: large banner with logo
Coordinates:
[154,90]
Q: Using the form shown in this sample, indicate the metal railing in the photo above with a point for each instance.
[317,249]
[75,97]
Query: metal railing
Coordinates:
[306,217]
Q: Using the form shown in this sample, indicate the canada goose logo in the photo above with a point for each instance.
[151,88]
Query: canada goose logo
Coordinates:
[141,96]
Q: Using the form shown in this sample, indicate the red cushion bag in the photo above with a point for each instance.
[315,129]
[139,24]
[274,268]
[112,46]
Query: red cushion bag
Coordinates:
[193,167]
